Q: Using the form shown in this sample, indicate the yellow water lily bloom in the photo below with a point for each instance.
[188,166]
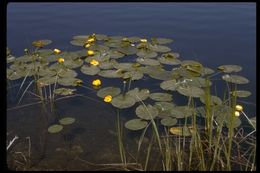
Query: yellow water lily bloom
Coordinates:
[87,45]
[239,108]
[143,40]
[94,62]
[57,51]
[237,113]
[96,82]
[61,60]
[90,52]
[108,98]
[91,40]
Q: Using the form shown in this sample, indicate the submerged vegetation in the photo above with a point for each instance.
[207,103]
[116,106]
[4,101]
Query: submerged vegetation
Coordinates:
[205,133]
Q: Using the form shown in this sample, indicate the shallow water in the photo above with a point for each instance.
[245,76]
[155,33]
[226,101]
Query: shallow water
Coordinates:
[213,34]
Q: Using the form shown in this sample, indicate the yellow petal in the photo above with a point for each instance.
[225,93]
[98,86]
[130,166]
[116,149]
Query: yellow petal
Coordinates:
[94,62]
[239,108]
[90,52]
[56,51]
[96,82]
[237,114]
[61,60]
[143,40]
[108,98]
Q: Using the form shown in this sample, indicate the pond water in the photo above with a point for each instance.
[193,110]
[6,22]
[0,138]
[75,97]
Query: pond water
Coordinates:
[212,33]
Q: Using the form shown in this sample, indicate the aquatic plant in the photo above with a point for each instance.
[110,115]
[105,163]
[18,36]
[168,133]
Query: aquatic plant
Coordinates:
[202,133]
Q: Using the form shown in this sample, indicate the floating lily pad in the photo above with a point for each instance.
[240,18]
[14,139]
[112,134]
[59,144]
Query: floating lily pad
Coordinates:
[73,63]
[161,97]
[169,61]
[67,73]
[123,102]
[164,106]
[206,71]
[105,65]
[190,91]
[235,79]
[67,120]
[139,95]
[159,48]
[169,121]
[47,80]
[111,73]
[162,40]
[181,112]
[147,112]
[148,61]
[122,66]
[69,81]
[78,42]
[146,53]
[113,91]
[90,70]
[64,91]
[161,75]
[229,68]
[41,43]
[214,100]
[136,124]
[241,93]
[180,131]
[115,54]
[197,82]
[129,50]
[169,85]
[55,128]
[134,75]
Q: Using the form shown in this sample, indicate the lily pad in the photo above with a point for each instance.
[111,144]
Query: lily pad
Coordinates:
[164,106]
[134,75]
[180,131]
[241,93]
[159,48]
[67,73]
[142,94]
[190,91]
[148,61]
[161,75]
[161,97]
[169,85]
[55,128]
[67,120]
[214,100]
[169,121]
[115,54]
[111,73]
[64,91]
[105,65]
[147,112]
[236,79]
[90,70]
[69,81]
[41,43]
[123,102]
[136,124]
[113,91]
[181,112]
[146,53]
[229,68]
[161,40]
[169,61]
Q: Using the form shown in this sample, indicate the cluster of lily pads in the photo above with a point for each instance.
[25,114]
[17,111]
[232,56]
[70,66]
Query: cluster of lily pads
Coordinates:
[130,59]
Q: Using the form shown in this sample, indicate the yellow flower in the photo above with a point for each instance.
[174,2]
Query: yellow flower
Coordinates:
[56,51]
[237,114]
[61,60]
[96,82]
[94,62]
[87,45]
[90,52]
[38,43]
[108,98]
[239,108]
[91,40]
[143,40]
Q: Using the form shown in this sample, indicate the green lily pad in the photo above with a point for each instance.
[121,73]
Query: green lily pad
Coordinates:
[64,91]
[181,112]
[138,95]
[180,131]
[73,63]
[161,40]
[148,61]
[78,42]
[236,79]
[190,91]
[168,61]
[90,70]
[169,121]
[169,85]
[161,75]
[123,66]
[161,97]
[41,43]
[47,80]
[134,75]
[159,48]
[214,100]
[241,93]
[129,50]
[115,54]
[67,73]
[146,53]
[229,68]
[113,91]
[136,124]
[206,71]
[147,112]
[69,81]
[123,102]
[164,106]
[105,65]
[111,73]
[55,128]
[67,120]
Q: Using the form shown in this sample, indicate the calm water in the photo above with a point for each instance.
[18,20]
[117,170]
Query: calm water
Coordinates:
[212,33]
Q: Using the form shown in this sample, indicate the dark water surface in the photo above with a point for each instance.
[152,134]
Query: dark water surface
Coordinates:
[211,33]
